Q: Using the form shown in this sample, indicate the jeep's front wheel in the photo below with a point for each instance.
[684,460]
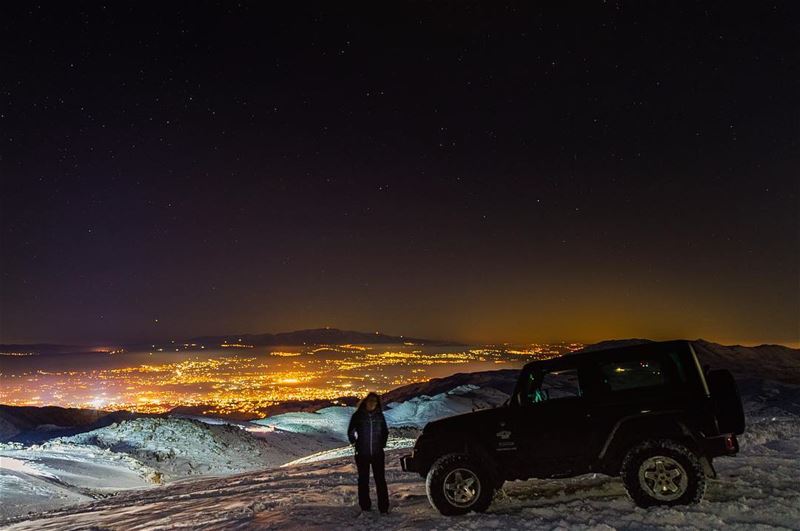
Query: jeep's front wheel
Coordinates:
[458,484]
[663,472]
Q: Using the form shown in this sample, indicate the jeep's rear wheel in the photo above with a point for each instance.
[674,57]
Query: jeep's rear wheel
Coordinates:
[663,472]
[458,484]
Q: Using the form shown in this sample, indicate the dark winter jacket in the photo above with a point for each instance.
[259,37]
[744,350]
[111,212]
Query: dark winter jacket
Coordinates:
[368,432]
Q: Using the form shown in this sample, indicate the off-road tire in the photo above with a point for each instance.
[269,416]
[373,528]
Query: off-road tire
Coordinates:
[688,460]
[434,484]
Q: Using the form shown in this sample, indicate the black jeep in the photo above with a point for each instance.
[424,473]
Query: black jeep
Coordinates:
[648,413]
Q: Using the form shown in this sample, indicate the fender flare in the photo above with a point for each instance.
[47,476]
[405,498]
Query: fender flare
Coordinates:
[490,464]
[621,435]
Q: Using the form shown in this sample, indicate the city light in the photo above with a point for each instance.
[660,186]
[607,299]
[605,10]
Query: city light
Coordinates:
[225,381]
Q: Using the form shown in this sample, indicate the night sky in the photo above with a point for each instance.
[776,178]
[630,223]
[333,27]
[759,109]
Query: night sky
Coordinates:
[467,171]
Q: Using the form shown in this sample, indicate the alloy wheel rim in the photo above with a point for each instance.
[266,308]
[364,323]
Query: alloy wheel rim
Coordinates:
[461,487]
[663,478]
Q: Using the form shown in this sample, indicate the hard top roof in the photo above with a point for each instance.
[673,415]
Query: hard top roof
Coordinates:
[575,359]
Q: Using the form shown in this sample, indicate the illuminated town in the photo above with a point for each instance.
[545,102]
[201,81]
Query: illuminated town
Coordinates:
[227,381]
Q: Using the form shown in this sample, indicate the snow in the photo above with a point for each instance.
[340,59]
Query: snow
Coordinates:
[415,412]
[326,422]
[139,453]
[420,410]
[185,447]
[316,490]
[394,443]
[144,452]
[55,474]
[23,467]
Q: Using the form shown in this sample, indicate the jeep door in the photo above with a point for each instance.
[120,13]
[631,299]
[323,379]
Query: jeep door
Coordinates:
[550,424]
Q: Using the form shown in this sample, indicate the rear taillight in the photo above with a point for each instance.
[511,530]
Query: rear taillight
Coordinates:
[729,443]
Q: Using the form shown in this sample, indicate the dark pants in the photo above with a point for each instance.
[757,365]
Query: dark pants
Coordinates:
[363,463]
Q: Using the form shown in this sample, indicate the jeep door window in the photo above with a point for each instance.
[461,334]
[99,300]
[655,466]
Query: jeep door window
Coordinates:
[633,374]
[555,385]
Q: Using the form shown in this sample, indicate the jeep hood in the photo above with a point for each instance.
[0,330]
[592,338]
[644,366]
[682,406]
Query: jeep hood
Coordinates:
[466,420]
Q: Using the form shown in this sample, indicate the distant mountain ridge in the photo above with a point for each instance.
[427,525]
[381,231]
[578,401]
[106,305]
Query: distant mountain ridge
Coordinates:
[315,336]
[311,336]
[34,424]
[42,348]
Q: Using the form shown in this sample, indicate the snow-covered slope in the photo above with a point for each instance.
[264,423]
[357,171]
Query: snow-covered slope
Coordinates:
[326,422]
[55,474]
[143,452]
[186,447]
[415,412]
[420,410]
[769,362]
[774,362]
[139,453]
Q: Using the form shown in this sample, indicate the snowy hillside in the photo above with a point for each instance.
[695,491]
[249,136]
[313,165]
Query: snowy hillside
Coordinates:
[144,452]
[414,412]
[420,410]
[55,474]
[756,489]
[775,362]
[326,422]
[138,453]
[184,447]
[772,362]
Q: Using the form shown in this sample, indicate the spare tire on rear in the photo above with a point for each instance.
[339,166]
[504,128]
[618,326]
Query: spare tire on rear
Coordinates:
[727,402]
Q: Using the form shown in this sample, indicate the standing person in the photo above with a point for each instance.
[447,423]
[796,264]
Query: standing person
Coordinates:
[368,433]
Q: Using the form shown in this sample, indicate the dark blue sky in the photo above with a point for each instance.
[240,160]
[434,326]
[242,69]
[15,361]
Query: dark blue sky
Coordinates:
[474,171]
